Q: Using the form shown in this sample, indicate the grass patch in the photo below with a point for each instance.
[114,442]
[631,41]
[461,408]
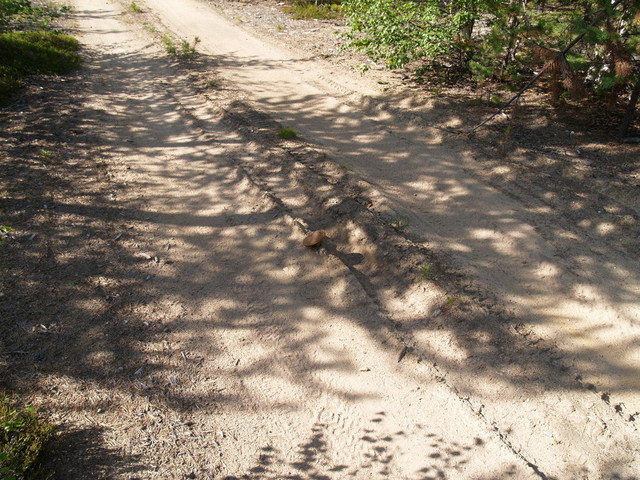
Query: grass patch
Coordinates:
[305,10]
[34,53]
[23,437]
[22,15]
[150,28]
[287,133]
[134,8]
[426,271]
[182,50]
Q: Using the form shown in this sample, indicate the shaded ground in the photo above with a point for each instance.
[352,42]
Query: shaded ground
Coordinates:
[563,255]
[157,302]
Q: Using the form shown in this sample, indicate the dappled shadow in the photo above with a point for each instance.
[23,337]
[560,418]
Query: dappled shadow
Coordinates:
[317,459]
[566,234]
[95,460]
[487,337]
[99,277]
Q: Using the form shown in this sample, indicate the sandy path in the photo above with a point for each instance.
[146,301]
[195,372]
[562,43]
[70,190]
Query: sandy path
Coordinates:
[278,363]
[572,284]
[574,287]
[294,371]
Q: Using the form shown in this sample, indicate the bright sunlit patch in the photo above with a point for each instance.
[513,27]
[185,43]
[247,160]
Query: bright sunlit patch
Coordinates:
[568,235]
[546,270]
[459,247]
[338,288]
[482,234]
[313,313]
[291,270]
[577,205]
[501,170]
[440,192]
[542,210]
[605,228]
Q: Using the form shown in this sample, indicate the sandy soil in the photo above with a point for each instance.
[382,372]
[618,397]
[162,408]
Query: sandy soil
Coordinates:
[470,315]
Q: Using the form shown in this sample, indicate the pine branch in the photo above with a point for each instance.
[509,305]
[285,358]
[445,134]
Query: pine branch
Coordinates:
[559,57]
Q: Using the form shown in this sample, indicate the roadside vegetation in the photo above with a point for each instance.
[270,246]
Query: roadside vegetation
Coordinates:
[135,8]
[23,438]
[287,133]
[309,10]
[587,51]
[30,45]
[182,49]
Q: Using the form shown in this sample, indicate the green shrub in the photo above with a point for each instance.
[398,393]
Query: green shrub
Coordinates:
[23,437]
[506,41]
[10,10]
[397,33]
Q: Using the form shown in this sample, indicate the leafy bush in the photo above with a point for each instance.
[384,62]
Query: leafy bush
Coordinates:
[11,9]
[23,437]
[506,41]
[398,32]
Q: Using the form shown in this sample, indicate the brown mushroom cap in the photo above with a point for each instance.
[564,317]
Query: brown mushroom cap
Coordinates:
[314,238]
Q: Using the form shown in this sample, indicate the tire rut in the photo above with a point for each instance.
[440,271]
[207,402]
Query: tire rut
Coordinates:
[316,193]
[311,191]
[332,198]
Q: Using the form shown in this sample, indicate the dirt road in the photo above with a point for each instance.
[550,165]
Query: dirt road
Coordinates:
[202,340]
[575,284]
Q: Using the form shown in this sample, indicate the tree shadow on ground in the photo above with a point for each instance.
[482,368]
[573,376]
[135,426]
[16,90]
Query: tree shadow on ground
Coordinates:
[90,292]
[94,460]
[315,459]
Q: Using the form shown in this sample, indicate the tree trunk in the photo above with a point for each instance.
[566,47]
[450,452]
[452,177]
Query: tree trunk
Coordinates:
[631,109]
